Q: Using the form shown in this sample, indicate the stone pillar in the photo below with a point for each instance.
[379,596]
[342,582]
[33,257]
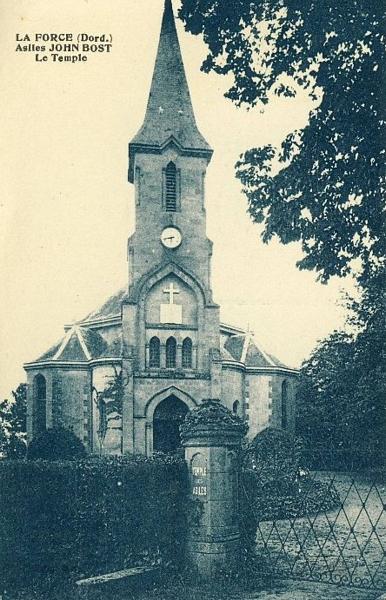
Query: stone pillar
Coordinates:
[179,356]
[149,439]
[49,393]
[128,406]
[30,405]
[163,356]
[212,435]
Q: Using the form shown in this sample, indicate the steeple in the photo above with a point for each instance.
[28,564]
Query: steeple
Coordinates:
[169,114]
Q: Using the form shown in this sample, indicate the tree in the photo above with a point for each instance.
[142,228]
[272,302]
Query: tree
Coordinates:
[109,403]
[342,389]
[13,423]
[325,186]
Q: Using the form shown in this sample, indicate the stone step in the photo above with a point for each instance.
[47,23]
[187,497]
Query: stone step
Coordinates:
[132,578]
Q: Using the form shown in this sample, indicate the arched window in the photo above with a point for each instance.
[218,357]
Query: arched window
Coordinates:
[187,348]
[171,187]
[235,407]
[284,404]
[39,413]
[171,350]
[154,353]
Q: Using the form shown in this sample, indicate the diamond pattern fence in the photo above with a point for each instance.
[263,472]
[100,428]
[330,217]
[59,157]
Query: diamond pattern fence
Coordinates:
[335,531]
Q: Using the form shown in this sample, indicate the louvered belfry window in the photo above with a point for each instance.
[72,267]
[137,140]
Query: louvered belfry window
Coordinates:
[171,187]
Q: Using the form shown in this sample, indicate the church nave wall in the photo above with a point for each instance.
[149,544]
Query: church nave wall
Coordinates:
[259,413]
[232,387]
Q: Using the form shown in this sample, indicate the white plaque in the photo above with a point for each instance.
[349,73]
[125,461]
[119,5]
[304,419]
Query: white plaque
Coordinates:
[171,313]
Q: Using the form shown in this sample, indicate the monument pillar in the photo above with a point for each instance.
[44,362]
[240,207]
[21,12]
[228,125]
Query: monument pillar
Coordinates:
[211,436]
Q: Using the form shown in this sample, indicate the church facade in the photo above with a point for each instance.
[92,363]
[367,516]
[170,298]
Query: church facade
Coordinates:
[123,378]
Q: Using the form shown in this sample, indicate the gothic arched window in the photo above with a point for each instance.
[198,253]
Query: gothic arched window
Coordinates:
[171,351]
[39,412]
[187,348]
[235,407]
[171,187]
[154,353]
[284,404]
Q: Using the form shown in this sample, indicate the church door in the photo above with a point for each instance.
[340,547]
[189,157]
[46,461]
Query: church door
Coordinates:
[168,416]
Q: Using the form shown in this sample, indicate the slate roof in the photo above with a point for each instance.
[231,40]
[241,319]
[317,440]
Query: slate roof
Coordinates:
[73,350]
[111,308]
[169,112]
[234,345]
[244,348]
[50,353]
[225,355]
[81,344]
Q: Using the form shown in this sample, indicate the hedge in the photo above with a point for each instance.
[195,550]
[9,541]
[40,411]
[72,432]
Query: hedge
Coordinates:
[56,444]
[89,517]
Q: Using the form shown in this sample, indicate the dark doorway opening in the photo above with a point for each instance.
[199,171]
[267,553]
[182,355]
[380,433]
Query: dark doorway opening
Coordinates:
[167,419]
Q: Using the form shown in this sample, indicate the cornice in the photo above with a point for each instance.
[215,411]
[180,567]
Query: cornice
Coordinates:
[62,364]
[267,370]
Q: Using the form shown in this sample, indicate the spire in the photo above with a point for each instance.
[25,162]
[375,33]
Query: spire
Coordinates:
[169,112]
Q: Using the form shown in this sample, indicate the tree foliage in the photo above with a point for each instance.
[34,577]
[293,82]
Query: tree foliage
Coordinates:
[342,390]
[109,403]
[13,423]
[56,444]
[325,185]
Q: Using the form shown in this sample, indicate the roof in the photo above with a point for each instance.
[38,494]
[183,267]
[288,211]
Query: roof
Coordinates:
[169,114]
[111,308]
[244,349]
[82,341]
[81,344]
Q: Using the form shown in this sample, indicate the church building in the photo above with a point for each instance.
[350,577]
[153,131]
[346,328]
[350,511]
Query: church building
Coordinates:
[123,378]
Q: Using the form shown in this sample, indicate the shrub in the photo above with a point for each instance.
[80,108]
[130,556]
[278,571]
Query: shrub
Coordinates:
[56,444]
[275,485]
[276,456]
[17,448]
[89,517]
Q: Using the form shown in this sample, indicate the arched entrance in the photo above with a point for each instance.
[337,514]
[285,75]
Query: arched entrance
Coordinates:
[167,418]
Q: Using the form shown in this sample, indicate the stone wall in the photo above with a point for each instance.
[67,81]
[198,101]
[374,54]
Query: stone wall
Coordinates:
[68,400]
[71,401]
[259,412]
[232,388]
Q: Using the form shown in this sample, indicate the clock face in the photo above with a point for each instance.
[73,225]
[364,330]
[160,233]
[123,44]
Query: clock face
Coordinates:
[171,237]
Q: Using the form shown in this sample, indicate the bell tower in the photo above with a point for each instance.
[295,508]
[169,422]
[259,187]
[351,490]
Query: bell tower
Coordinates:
[168,158]
[170,324]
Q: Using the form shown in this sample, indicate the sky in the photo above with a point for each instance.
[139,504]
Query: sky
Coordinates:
[66,208]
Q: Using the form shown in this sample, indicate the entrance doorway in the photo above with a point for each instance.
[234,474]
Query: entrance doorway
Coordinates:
[167,418]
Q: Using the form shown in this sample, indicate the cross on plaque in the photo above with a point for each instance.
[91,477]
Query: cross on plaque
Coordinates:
[171,290]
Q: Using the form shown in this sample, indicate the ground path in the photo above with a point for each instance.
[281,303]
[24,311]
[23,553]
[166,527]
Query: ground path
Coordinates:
[295,590]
